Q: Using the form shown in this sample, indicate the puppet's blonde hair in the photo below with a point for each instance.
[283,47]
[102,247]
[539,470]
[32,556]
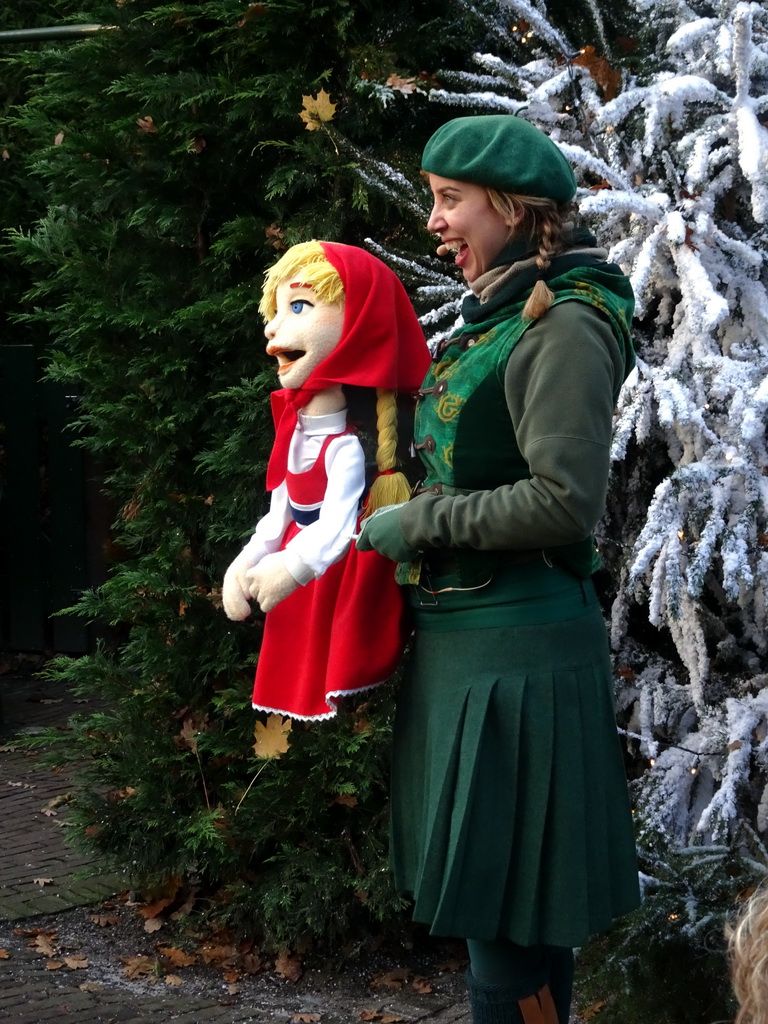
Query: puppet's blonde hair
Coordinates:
[748,949]
[308,260]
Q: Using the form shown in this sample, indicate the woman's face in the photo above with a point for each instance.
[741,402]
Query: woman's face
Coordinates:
[467,224]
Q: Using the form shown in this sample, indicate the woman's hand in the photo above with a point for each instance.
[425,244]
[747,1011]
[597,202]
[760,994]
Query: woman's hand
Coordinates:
[269,582]
[382,532]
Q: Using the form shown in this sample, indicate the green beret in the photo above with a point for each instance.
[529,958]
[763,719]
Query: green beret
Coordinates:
[500,151]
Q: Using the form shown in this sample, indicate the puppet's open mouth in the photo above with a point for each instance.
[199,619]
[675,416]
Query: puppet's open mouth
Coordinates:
[286,356]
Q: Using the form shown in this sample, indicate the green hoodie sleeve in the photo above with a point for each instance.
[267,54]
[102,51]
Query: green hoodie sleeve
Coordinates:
[559,383]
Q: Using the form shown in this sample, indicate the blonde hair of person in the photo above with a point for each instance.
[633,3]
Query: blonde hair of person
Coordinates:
[308,259]
[542,220]
[748,954]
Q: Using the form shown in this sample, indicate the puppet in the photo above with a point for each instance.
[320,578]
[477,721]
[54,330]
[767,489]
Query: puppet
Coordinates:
[337,317]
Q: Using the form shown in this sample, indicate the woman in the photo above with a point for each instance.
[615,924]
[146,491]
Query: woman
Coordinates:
[511,823]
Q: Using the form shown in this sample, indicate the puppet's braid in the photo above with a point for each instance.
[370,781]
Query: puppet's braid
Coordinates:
[389,487]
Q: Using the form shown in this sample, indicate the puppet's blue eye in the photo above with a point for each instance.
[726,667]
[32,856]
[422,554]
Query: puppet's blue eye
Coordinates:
[297,306]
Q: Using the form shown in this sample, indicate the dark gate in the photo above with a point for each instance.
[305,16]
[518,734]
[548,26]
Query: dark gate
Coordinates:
[44,545]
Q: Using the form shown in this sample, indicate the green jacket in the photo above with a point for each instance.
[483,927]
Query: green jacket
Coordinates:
[514,427]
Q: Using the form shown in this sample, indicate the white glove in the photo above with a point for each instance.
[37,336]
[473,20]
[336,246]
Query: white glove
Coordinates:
[270,581]
[234,590]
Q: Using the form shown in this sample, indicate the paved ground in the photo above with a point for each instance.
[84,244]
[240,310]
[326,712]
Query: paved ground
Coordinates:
[58,964]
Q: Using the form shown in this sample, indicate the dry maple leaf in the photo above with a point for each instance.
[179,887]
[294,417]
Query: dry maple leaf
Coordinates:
[345,799]
[607,77]
[137,966]
[305,1018]
[287,966]
[317,109]
[147,125]
[103,920]
[154,908]
[54,965]
[593,1010]
[91,986]
[422,985]
[173,979]
[153,924]
[42,881]
[391,979]
[177,957]
[272,738]
[75,963]
[403,85]
[4,954]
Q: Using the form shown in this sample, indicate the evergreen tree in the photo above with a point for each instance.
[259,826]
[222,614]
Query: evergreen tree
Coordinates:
[179,150]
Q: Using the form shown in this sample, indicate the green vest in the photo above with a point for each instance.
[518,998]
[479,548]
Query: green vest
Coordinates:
[463,432]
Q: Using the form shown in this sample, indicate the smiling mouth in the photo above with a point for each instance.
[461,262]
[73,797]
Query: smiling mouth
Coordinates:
[454,245]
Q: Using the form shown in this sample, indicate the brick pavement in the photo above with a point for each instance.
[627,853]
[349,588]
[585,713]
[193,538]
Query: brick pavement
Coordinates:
[34,848]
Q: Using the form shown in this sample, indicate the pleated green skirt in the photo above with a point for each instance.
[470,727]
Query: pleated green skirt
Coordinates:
[510,812]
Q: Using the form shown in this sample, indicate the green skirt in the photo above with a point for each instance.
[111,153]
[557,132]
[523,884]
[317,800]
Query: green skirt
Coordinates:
[510,812]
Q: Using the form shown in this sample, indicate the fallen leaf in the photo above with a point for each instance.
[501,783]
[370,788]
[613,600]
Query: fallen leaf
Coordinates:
[4,954]
[173,979]
[231,976]
[53,965]
[147,125]
[42,881]
[221,955]
[6,155]
[51,700]
[177,957]
[316,110]
[233,989]
[593,1010]
[390,979]
[422,985]
[103,920]
[403,85]
[156,907]
[138,966]
[346,799]
[305,1018]
[91,986]
[272,738]
[8,749]
[287,966]
[153,924]
[197,145]
[607,77]
[252,963]
[76,962]
[58,138]
[250,12]
[452,966]
[44,944]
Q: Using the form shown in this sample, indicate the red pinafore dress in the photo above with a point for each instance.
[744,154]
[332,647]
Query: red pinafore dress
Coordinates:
[337,635]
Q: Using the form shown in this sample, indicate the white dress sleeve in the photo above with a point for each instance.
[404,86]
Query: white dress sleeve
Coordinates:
[325,541]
